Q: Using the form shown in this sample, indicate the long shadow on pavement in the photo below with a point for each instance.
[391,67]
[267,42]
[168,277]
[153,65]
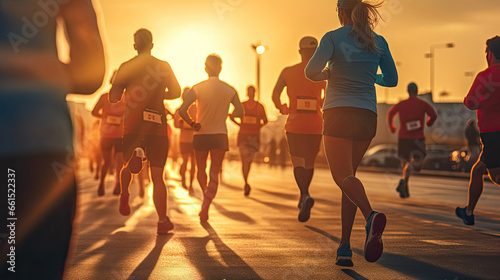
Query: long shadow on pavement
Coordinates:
[211,267]
[144,269]
[273,205]
[404,264]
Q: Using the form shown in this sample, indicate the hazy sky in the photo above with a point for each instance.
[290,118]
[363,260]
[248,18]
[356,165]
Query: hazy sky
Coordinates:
[185,32]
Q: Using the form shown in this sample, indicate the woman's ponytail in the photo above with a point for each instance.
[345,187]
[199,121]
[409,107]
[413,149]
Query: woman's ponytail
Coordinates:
[364,17]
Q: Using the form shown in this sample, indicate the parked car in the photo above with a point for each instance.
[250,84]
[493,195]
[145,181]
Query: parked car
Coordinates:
[386,155]
[438,158]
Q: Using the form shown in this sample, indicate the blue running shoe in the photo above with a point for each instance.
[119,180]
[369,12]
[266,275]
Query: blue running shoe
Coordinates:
[468,220]
[374,228]
[344,255]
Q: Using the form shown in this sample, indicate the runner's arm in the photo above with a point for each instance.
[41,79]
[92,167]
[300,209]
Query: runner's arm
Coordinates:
[177,120]
[264,115]
[234,120]
[390,118]
[389,76]
[87,67]
[98,106]
[118,86]
[432,115]
[278,89]
[238,108]
[174,89]
[315,69]
[183,110]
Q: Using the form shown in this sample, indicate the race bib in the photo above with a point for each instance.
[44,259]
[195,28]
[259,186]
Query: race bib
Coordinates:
[249,120]
[307,104]
[151,117]
[114,120]
[413,125]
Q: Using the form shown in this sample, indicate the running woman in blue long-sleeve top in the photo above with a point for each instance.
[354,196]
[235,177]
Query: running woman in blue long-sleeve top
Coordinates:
[353,54]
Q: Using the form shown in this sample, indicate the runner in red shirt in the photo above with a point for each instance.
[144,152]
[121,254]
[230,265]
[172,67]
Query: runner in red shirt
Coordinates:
[143,80]
[249,135]
[411,139]
[111,137]
[484,97]
[304,123]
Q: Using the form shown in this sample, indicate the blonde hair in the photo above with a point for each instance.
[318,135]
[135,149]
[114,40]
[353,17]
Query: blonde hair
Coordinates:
[365,17]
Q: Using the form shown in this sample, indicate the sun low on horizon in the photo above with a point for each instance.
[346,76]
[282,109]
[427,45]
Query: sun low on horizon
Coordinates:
[185,32]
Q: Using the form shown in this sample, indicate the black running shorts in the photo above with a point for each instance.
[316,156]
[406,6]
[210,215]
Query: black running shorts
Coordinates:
[155,147]
[349,122]
[107,144]
[207,142]
[409,149]
[250,142]
[491,149]
[303,145]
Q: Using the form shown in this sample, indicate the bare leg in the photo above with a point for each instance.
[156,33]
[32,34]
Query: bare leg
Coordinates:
[475,186]
[192,170]
[159,193]
[201,163]
[104,170]
[183,168]
[349,209]
[125,179]
[118,168]
[339,153]
[217,156]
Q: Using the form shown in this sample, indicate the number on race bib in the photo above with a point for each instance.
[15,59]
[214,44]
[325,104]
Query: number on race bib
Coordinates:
[151,117]
[413,125]
[249,120]
[114,120]
[307,104]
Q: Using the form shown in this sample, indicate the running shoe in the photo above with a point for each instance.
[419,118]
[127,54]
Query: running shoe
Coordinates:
[461,213]
[204,210]
[247,189]
[344,255]
[100,189]
[374,229]
[135,163]
[165,226]
[402,189]
[124,207]
[305,211]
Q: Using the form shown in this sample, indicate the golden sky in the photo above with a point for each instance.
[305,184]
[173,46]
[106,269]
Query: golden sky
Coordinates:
[185,32]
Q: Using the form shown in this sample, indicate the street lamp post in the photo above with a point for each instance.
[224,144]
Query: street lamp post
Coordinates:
[431,56]
[259,50]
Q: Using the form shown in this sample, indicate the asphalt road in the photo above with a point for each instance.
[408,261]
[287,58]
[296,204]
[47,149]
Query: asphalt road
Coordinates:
[259,237]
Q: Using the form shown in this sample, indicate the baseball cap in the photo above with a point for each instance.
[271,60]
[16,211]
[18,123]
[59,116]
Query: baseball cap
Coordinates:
[308,42]
[493,45]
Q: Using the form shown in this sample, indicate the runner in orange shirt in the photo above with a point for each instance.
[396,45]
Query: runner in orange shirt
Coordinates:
[111,116]
[304,123]
[249,135]
[143,81]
